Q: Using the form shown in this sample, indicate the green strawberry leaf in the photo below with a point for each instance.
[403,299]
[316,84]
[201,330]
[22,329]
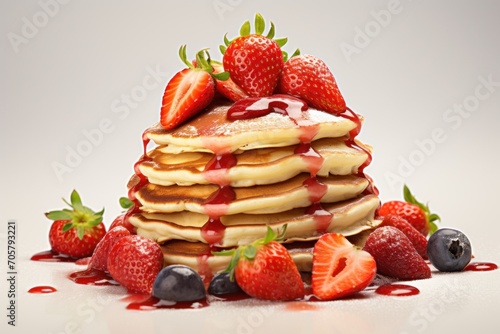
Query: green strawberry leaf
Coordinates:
[58,215]
[249,252]
[67,227]
[260,24]
[80,231]
[245,29]
[76,201]
[271,32]
[125,202]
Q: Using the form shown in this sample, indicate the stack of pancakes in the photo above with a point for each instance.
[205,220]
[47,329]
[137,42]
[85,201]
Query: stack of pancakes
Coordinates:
[214,183]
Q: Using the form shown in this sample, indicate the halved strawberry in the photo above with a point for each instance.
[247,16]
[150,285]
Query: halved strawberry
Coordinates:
[189,91]
[310,79]
[254,61]
[340,268]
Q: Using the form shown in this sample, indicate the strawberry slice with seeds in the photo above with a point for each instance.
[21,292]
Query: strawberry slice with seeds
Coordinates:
[340,269]
[189,91]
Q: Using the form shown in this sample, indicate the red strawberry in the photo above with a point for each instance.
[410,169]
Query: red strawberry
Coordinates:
[416,238]
[227,87]
[310,79]
[120,221]
[134,261]
[265,269]
[340,268]
[75,232]
[416,213]
[99,259]
[395,255]
[189,91]
[254,61]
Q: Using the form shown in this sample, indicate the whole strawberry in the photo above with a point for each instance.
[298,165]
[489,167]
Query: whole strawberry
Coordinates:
[395,255]
[340,269]
[416,213]
[99,259]
[254,61]
[265,269]
[75,232]
[310,79]
[416,238]
[134,261]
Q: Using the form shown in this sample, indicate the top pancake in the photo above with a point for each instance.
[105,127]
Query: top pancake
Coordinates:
[211,131]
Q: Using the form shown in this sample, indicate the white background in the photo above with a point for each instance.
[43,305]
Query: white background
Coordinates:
[69,67]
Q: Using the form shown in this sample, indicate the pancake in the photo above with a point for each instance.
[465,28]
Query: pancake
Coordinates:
[350,217]
[211,131]
[196,254]
[254,167]
[264,199]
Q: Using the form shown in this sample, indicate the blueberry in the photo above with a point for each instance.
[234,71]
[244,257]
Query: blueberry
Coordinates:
[221,284]
[178,283]
[449,250]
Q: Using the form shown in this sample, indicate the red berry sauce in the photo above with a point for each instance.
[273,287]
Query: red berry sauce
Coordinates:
[153,303]
[51,256]
[397,290]
[481,266]
[42,289]
[92,277]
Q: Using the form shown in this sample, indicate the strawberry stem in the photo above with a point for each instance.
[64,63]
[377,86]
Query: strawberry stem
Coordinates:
[432,218]
[80,217]
[250,251]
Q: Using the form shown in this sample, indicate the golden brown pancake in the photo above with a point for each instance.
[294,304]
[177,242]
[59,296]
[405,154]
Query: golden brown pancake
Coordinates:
[254,167]
[212,131]
[264,199]
[349,217]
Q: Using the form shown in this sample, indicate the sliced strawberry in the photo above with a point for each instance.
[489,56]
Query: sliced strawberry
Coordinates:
[75,232]
[395,255]
[265,269]
[99,259]
[189,91]
[134,262]
[227,87]
[340,268]
[254,61]
[310,79]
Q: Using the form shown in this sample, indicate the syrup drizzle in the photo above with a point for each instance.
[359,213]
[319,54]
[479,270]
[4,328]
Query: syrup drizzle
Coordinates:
[51,256]
[143,180]
[351,142]
[293,108]
[42,289]
[153,303]
[399,290]
[92,277]
[481,266]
